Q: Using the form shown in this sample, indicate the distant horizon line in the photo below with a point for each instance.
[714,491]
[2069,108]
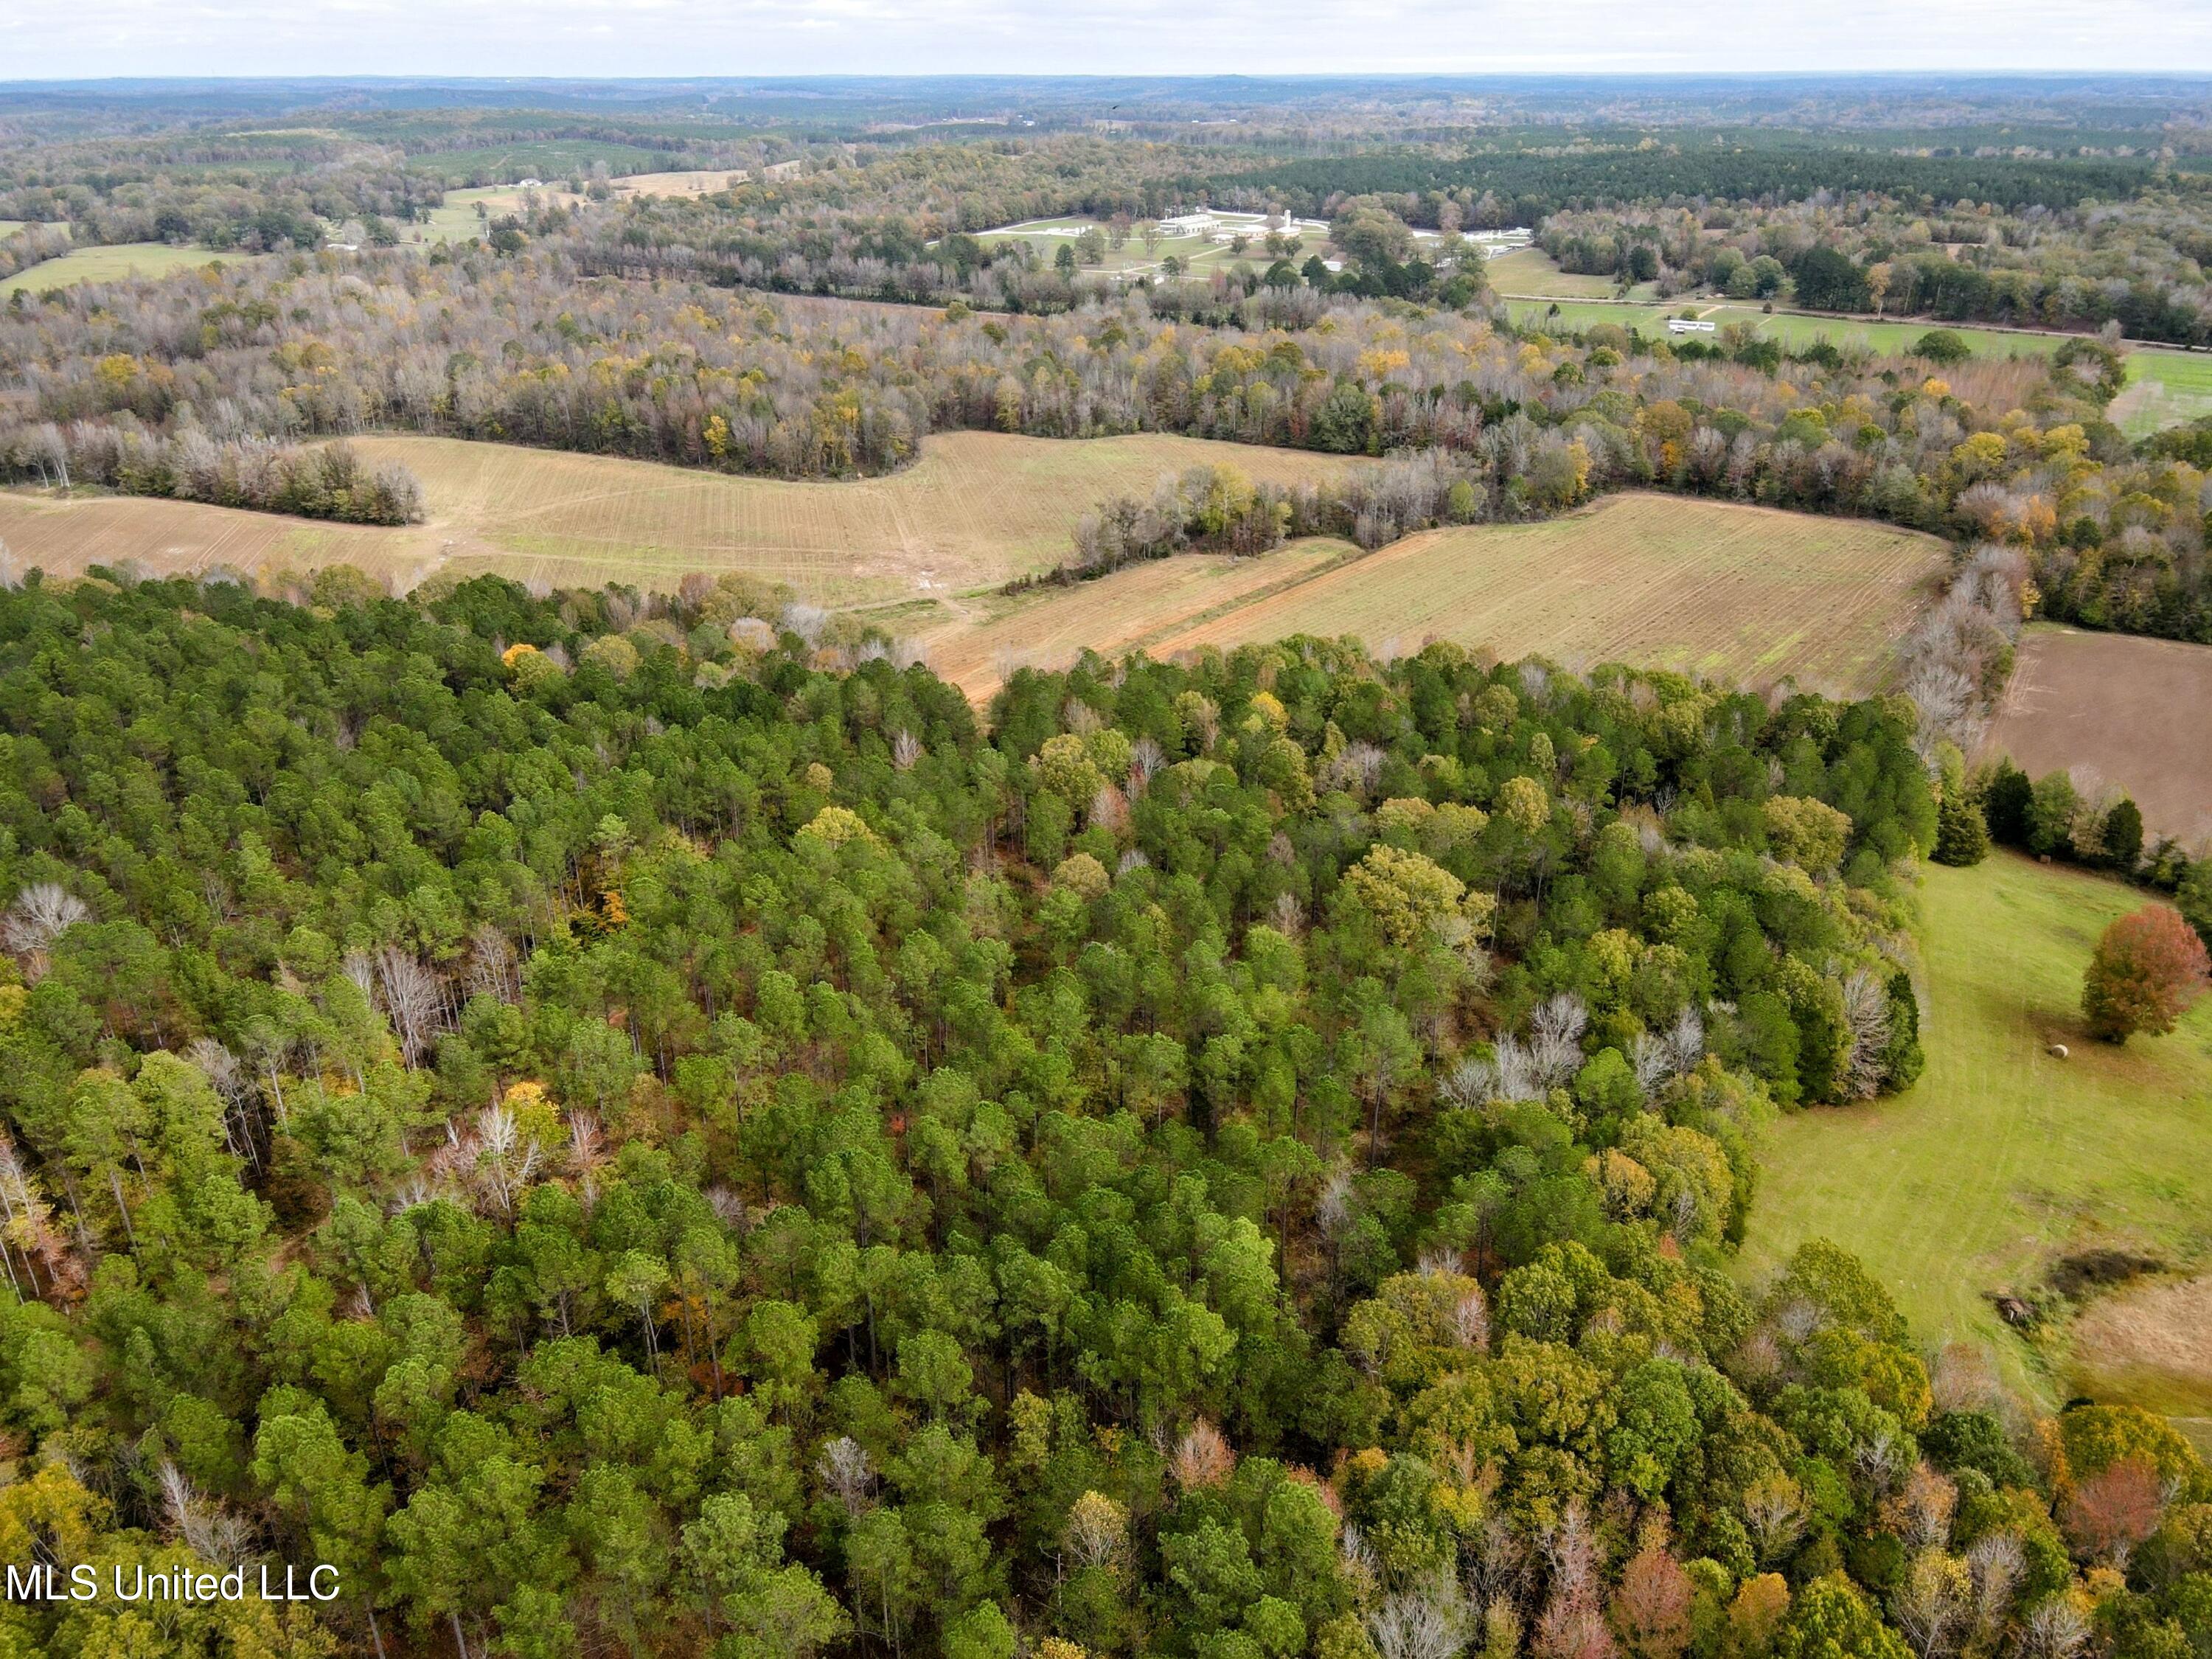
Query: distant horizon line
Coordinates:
[1341,76]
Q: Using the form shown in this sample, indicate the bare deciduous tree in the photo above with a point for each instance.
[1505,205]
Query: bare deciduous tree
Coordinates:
[506,1156]
[1427,1621]
[2056,1630]
[1202,1457]
[1774,1513]
[1097,1531]
[846,1473]
[408,993]
[41,914]
[1932,1602]
[1556,1034]
[1866,1020]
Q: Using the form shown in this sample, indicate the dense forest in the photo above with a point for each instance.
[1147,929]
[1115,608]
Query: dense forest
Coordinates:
[645,1125]
[1537,182]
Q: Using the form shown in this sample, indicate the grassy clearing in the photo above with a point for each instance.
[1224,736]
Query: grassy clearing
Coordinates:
[1563,316]
[10,227]
[977,508]
[1701,587]
[2003,1158]
[1532,270]
[1199,253]
[110,264]
[2165,388]
[1791,328]
[2103,706]
[1795,329]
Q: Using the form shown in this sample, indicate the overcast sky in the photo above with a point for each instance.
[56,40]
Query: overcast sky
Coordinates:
[75,39]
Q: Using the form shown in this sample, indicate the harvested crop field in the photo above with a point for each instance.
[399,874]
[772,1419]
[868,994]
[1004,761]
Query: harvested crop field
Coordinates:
[708,182]
[1700,586]
[2135,713]
[977,508]
[63,538]
[1128,611]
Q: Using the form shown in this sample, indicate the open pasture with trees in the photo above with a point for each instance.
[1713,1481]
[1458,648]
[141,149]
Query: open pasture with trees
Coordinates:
[2004,1161]
[1529,270]
[2118,711]
[1122,244]
[1705,587]
[66,538]
[1796,330]
[110,263]
[976,509]
[464,215]
[650,359]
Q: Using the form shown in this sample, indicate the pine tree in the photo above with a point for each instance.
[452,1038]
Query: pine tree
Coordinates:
[2123,834]
[1962,835]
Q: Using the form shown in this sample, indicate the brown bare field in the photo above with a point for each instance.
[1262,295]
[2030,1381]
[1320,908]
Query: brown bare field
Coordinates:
[977,508]
[2135,713]
[1700,586]
[709,181]
[1128,611]
[63,538]
[2152,1345]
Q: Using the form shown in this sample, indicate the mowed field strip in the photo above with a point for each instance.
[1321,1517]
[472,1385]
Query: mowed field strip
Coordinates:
[976,509]
[2136,713]
[1660,581]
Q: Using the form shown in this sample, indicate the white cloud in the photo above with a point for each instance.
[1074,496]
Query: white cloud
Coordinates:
[43,39]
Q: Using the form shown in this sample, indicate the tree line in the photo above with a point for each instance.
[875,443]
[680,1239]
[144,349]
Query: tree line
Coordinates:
[325,481]
[2131,262]
[517,348]
[1544,177]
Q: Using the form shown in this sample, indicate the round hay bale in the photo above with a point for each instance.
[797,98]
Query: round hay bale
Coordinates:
[2058,1051]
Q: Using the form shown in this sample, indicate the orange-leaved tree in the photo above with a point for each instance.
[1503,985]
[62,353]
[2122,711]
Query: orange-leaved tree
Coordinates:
[2147,969]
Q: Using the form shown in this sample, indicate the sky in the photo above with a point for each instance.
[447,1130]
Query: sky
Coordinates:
[86,39]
